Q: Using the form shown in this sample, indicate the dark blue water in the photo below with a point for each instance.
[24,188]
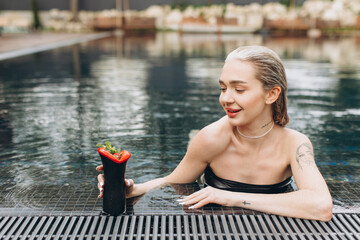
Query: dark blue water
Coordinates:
[147,94]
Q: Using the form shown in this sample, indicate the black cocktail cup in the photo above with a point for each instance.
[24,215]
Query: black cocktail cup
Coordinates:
[114,199]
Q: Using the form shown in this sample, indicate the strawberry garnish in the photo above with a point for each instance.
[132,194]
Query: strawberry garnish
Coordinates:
[116,155]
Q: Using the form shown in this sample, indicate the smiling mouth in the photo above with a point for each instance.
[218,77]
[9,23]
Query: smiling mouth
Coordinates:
[233,110]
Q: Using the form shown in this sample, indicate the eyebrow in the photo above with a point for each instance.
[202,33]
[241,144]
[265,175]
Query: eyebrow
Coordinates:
[233,82]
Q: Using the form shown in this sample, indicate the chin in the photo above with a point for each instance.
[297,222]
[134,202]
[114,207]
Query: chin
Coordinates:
[234,122]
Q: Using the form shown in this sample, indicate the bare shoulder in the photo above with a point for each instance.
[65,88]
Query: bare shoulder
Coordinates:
[294,138]
[300,148]
[214,137]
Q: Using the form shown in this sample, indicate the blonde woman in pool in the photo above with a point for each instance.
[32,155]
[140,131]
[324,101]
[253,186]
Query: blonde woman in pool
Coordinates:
[249,157]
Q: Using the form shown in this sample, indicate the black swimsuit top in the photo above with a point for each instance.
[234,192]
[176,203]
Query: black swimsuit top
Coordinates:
[214,181]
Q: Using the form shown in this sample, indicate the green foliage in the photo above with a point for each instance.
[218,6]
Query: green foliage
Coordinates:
[108,147]
[285,3]
[223,10]
[35,11]
[181,6]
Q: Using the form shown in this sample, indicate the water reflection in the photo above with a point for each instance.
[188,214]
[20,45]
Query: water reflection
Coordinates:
[148,93]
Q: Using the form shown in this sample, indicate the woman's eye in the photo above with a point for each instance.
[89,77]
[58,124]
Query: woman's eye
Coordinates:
[239,90]
[223,89]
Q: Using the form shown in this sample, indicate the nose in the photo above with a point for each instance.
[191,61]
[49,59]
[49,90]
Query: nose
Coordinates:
[226,97]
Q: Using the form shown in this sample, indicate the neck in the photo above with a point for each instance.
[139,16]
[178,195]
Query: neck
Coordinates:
[266,128]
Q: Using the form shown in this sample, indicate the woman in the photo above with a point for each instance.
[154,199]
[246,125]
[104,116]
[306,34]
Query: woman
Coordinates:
[248,156]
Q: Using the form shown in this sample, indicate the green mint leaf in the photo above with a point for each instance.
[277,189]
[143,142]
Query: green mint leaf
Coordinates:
[108,147]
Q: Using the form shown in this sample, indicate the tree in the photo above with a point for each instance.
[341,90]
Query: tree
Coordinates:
[74,7]
[36,19]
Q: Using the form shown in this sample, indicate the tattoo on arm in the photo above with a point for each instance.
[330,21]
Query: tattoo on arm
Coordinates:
[246,203]
[305,155]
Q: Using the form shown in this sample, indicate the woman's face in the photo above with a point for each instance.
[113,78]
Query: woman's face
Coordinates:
[242,95]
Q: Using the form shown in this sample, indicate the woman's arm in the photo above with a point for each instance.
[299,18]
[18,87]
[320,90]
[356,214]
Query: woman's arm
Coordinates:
[193,164]
[311,201]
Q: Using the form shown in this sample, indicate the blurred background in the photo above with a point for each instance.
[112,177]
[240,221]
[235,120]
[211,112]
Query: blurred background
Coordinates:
[297,17]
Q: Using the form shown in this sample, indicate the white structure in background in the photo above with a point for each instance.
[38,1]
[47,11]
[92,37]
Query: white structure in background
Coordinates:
[213,18]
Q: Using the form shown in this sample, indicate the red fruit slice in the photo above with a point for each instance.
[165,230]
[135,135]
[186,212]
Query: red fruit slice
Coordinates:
[125,155]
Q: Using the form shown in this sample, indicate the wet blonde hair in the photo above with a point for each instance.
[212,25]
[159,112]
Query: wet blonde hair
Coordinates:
[270,71]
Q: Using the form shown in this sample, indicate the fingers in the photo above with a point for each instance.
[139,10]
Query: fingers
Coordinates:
[100,168]
[188,199]
[201,203]
[129,183]
[100,178]
[197,199]
[101,194]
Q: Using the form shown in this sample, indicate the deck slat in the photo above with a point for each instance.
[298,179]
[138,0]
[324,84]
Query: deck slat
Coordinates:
[21,229]
[116,227]
[201,226]
[140,227]
[241,227]
[271,222]
[217,227]
[339,224]
[85,227]
[224,221]
[108,228]
[233,228]
[68,229]
[180,227]
[186,227]
[155,228]
[288,228]
[208,220]
[92,228]
[320,229]
[77,228]
[171,227]
[350,225]
[248,227]
[31,225]
[132,227]
[14,227]
[7,225]
[53,228]
[124,227]
[195,235]
[163,228]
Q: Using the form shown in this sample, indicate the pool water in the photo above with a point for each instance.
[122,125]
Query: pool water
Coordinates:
[146,94]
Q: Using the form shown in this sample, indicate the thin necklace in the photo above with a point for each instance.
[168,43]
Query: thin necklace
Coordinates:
[254,137]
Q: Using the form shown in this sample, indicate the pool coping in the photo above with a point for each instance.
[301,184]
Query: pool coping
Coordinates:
[51,43]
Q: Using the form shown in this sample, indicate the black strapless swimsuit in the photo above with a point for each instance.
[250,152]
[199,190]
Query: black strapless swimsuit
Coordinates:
[214,181]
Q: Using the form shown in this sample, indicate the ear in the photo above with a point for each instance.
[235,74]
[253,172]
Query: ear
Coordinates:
[273,94]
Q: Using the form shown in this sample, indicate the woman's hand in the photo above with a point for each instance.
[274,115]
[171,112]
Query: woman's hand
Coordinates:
[129,183]
[206,196]
[100,179]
